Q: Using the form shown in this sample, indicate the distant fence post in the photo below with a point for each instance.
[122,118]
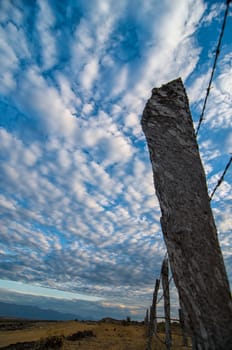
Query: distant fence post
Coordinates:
[183,328]
[153,316]
[149,330]
[146,321]
[165,284]
[154,302]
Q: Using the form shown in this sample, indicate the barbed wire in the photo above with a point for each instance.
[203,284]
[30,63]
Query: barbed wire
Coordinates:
[221,178]
[161,297]
[164,318]
[163,342]
[214,65]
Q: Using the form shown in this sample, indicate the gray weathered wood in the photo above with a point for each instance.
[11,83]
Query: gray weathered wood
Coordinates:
[146,321]
[186,319]
[187,221]
[150,332]
[154,302]
[165,284]
[153,316]
[183,328]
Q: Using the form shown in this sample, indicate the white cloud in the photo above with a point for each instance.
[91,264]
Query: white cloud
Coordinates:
[119,149]
[64,159]
[31,155]
[107,143]
[121,81]
[66,92]
[7,10]
[87,108]
[9,83]
[6,203]
[8,58]
[229,143]
[225,224]
[89,74]
[197,90]
[45,24]
[132,120]
[173,53]
[45,104]
[214,13]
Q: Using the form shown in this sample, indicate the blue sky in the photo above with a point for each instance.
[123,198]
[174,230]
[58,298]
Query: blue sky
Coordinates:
[79,215]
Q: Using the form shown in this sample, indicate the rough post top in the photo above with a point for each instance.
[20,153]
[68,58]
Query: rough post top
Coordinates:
[166,101]
[171,84]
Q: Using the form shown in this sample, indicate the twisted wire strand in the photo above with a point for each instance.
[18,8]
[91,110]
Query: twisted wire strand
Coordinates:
[214,65]
[221,178]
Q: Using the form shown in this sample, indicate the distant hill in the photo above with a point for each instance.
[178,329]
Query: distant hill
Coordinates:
[111,320]
[33,312]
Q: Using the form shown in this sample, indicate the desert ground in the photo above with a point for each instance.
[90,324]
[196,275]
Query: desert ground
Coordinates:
[70,335]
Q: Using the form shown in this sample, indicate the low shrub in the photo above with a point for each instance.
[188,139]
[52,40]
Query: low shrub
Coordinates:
[80,335]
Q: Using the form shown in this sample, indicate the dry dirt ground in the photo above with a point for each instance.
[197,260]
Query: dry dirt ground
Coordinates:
[90,335]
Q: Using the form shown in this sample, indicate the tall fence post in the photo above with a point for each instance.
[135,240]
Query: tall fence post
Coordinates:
[150,333]
[165,284]
[146,321]
[154,304]
[153,316]
[187,220]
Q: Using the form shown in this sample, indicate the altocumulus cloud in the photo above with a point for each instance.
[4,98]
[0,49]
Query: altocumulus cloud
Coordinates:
[78,208]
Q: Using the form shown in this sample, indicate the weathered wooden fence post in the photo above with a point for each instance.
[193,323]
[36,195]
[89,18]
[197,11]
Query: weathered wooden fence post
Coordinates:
[165,284]
[187,221]
[146,319]
[153,316]
[154,302]
[150,333]
[183,328]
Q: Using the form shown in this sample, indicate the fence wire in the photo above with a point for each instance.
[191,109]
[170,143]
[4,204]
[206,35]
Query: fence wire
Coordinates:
[214,65]
[155,334]
[161,297]
[221,179]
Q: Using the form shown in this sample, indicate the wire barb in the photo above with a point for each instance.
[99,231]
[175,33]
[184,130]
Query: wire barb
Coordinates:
[214,66]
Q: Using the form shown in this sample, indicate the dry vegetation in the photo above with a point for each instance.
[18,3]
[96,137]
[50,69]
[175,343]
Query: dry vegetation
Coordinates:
[112,336]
